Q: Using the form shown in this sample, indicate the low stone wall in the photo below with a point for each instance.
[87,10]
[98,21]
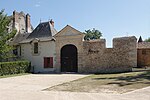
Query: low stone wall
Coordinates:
[99,59]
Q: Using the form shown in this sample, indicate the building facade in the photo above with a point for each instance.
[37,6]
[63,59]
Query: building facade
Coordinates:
[39,48]
[67,51]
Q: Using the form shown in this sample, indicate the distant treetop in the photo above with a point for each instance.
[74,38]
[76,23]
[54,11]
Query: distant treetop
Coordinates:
[92,34]
[147,40]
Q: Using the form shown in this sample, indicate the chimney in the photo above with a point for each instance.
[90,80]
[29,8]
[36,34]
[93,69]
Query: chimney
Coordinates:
[14,18]
[52,22]
[27,23]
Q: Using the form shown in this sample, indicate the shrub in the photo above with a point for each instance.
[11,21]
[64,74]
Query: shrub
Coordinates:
[15,67]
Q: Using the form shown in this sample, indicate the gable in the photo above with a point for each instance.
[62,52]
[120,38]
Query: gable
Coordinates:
[68,31]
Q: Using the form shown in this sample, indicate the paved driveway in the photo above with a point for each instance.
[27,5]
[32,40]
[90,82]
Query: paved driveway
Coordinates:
[29,87]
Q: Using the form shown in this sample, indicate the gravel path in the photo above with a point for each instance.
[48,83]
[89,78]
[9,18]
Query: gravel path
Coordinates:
[29,87]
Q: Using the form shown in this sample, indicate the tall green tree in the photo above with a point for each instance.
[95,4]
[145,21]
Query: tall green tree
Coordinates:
[148,40]
[5,48]
[92,34]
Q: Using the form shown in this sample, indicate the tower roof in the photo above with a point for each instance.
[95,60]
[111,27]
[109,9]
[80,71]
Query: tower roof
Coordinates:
[140,39]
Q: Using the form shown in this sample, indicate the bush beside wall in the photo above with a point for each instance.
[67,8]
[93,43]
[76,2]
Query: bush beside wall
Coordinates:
[15,67]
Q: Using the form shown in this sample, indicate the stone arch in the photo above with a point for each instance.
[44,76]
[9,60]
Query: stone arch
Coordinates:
[69,58]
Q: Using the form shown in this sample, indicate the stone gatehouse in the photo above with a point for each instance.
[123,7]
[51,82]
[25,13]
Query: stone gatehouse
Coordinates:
[75,54]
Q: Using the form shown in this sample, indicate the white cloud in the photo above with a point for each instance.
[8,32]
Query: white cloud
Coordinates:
[37,5]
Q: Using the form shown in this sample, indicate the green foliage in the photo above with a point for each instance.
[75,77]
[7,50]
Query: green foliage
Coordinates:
[148,40]
[92,34]
[5,48]
[16,67]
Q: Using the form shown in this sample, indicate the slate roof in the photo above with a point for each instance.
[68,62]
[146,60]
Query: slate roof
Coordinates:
[44,32]
[19,37]
[140,39]
[44,29]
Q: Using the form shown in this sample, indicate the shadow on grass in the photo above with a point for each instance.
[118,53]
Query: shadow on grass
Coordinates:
[143,78]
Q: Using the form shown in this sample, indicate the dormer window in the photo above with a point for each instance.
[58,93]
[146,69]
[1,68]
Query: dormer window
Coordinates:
[35,48]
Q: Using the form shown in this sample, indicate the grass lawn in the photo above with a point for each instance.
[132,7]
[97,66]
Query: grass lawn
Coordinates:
[107,83]
[13,75]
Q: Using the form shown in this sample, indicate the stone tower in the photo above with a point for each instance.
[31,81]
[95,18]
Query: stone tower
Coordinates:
[21,22]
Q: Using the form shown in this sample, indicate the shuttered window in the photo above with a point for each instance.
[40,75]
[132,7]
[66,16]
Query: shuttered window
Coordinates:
[48,62]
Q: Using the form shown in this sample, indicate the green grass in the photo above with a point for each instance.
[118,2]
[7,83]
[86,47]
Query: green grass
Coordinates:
[13,75]
[107,83]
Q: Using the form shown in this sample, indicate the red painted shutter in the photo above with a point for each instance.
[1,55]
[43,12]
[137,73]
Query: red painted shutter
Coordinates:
[48,62]
[51,62]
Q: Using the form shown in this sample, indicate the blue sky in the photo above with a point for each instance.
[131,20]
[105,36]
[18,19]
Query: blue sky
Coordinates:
[114,18]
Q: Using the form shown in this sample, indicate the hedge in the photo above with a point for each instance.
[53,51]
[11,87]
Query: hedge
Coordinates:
[15,67]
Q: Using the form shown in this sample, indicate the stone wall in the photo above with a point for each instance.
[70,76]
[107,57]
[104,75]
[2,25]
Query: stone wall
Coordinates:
[99,59]
[93,56]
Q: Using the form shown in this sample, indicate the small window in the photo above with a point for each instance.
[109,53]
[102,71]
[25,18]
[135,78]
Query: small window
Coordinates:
[20,50]
[144,52]
[48,62]
[35,48]
[15,51]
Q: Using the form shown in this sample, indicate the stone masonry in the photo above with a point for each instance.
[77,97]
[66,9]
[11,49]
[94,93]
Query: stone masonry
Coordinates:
[94,57]
[99,59]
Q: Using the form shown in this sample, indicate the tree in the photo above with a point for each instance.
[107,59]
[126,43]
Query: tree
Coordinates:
[5,48]
[92,34]
[148,40]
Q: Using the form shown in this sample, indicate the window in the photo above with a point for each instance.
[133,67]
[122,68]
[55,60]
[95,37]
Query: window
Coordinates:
[35,48]
[20,50]
[48,62]
[15,51]
[144,52]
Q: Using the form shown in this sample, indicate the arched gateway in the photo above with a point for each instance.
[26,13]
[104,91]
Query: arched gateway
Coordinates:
[69,58]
